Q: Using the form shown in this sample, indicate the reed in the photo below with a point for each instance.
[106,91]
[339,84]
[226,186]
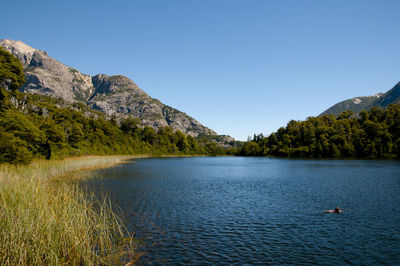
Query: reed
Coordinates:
[45,219]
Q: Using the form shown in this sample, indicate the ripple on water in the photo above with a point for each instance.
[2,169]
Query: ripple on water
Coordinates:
[259,210]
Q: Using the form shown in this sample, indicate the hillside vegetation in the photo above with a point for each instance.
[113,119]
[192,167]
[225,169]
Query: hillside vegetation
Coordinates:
[37,126]
[33,126]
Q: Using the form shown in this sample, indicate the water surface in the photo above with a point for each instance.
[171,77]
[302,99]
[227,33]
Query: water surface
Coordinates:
[259,210]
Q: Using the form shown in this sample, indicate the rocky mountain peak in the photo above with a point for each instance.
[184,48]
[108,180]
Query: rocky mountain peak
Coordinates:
[114,95]
[19,49]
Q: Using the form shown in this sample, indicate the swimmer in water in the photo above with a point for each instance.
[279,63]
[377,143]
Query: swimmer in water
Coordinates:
[337,210]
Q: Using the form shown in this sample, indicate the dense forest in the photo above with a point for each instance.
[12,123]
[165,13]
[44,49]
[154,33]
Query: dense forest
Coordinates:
[35,126]
[370,134]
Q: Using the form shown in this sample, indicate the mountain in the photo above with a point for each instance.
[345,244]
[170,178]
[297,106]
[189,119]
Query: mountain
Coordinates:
[359,104]
[113,95]
[356,104]
[391,96]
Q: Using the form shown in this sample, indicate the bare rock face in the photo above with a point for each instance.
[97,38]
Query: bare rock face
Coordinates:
[120,96]
[113,95]
[47,76]
[105,85]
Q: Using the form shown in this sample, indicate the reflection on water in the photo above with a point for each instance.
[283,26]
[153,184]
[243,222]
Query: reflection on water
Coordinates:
[259,210]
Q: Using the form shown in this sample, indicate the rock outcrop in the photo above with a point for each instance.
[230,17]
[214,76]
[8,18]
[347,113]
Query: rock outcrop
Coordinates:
[113,95]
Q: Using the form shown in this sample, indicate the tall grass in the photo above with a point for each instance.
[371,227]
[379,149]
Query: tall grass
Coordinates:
[45,219]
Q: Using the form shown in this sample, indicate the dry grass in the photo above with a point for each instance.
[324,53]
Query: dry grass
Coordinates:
[45,219]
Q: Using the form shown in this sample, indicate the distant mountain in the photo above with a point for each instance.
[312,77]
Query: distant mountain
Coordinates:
[356,104]
[391,96]
[361,103]
[113,95]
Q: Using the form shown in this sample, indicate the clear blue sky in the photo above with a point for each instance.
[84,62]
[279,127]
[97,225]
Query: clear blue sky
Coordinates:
[239,67]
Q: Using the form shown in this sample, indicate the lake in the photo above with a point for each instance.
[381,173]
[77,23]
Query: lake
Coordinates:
[236,210]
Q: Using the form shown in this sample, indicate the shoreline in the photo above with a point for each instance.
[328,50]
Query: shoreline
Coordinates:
[120,160]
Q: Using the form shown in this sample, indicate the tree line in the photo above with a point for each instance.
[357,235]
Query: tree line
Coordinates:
[370,134]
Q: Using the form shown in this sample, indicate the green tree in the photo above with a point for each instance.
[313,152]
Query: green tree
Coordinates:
[14,150]
[11,71]
[250,149]
[130,125]
[181,141]
[149,134]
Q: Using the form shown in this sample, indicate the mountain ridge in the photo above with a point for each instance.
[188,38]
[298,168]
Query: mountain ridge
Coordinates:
[361,103]
[389,97]
[115,95]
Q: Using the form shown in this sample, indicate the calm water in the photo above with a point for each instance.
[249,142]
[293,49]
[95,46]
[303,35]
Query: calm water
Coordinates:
[259,210]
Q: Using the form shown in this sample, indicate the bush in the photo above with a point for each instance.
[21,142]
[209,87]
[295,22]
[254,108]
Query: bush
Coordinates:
[14,150]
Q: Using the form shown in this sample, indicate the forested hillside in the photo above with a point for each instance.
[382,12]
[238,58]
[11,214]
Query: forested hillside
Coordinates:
[33,126]
[115,95]
[37,126]
[372,134]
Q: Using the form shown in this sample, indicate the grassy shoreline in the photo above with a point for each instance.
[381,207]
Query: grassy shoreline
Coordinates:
[46,219]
